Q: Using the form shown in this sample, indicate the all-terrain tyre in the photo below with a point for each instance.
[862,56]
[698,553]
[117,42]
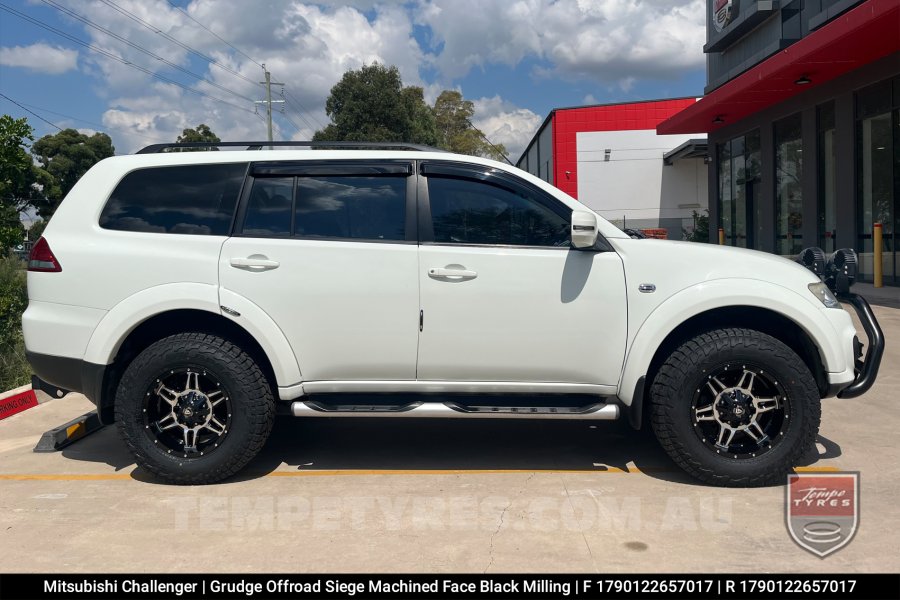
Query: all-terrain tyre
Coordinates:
[720,430]
[194,408]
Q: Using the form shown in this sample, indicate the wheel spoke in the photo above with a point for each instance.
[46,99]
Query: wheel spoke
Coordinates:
[747,380]
[762,434]
[161,425]
[716,386]
[215,397]
[167,394]
[704,414]
[726,434]
[190,439]
[215,426]
[765,404]
[193,381]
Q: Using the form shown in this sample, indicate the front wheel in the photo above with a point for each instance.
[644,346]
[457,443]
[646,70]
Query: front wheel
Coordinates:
[194,408]
[735,407]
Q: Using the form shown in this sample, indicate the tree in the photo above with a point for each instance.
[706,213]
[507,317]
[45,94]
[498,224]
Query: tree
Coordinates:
[700,233]
[21,181]
[36,230]
[66,156]
[453,116]
[201,134]
[371,104]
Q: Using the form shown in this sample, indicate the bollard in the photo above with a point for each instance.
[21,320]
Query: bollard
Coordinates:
[721,236]
[878,276]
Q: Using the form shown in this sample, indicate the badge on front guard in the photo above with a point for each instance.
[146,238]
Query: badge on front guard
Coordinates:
[822,510]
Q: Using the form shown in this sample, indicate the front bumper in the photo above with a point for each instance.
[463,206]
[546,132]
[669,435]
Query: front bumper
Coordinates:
[867,369]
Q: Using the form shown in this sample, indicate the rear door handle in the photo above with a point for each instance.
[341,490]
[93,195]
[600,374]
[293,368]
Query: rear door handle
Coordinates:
[255,262]
[451,274]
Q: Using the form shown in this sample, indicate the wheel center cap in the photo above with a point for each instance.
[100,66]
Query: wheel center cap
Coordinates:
[192,408]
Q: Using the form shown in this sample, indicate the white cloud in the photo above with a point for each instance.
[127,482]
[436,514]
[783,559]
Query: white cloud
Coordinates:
[40,57]
[605,40]
[505,123]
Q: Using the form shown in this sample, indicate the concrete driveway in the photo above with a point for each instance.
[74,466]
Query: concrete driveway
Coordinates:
[350,495]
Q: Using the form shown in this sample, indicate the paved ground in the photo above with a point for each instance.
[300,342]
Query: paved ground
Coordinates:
[376,495]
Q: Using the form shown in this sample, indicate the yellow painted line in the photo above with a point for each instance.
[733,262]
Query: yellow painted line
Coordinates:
[822,469]
[363,472]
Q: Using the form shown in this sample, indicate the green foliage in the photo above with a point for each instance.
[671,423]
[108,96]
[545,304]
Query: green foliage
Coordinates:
[21,181]
[201,134]
[66,156]
[14,369]
[453,116]
[37,229]
[371,104]
[701,228]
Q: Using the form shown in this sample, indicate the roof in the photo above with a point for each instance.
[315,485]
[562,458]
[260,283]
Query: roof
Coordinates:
[860,36]
[693,148]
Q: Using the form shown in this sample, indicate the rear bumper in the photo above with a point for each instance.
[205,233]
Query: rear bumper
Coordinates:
[65,374]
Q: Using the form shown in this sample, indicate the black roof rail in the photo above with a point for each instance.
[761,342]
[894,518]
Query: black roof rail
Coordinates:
[157,148]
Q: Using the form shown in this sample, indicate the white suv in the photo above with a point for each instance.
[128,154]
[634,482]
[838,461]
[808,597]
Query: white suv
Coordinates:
[192,296]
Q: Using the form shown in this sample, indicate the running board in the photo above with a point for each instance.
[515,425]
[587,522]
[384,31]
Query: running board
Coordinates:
[600,411]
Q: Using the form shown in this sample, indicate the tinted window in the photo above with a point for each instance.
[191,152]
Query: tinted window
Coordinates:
[366,208]
[269,207]
[195,199]
[473,212]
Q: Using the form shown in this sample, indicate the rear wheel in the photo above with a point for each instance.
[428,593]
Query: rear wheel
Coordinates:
[735,407]
[194,408]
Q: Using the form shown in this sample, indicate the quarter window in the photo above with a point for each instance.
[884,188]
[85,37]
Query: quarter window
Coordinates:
[194,199]
[269,207]
[466,211]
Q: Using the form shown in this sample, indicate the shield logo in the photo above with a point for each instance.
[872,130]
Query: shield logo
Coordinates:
[822,510]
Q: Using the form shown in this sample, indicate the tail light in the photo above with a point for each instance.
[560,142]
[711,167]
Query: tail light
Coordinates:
[42,259]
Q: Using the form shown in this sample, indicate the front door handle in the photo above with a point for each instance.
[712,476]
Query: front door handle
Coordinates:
[254,262]
[451,274]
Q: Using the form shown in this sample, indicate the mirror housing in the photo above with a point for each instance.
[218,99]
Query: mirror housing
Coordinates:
[584,229]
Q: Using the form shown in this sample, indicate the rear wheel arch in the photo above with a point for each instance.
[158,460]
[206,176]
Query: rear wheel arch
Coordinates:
[165,324]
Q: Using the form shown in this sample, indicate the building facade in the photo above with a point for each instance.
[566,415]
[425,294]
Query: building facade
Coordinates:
[611,158]
[802,111]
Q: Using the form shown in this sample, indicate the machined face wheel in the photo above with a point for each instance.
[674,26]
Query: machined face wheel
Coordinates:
[740,411]
[187,412]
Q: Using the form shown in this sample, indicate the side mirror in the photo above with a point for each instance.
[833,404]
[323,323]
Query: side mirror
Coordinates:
[584,229]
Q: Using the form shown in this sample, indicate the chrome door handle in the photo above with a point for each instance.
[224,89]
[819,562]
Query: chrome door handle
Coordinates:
[451,274]
[255,262]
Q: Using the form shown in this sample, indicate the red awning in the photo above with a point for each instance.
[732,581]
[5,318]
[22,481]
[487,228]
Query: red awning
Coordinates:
[860,36]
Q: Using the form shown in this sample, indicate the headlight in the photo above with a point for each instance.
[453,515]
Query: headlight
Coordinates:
[821,291]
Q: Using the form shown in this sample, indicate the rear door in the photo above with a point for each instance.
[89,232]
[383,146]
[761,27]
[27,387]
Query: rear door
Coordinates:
[504,296]
[328,250]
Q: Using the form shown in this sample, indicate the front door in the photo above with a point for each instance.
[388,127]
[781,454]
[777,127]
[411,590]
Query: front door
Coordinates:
[328,252]
[504,296]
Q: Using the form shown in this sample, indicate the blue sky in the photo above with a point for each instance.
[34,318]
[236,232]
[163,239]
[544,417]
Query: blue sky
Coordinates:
[515,59]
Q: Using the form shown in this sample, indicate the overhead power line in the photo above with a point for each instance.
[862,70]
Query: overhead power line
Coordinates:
[141,49]
[23,105]
[112,56]
[32,112]
[216,35]
[165,35]
[294,99]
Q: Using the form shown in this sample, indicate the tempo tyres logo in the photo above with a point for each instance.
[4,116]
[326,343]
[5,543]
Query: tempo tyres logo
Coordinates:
[822,510]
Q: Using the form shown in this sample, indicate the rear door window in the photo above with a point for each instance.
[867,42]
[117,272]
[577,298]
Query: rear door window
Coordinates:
[189,199]
[334,202]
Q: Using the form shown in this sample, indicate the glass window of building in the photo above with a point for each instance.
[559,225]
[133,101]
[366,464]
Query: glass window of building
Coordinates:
[788,190]
[878,179]
[827,227]
[738,182]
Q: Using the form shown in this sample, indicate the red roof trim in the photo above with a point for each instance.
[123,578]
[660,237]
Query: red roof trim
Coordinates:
[858,37]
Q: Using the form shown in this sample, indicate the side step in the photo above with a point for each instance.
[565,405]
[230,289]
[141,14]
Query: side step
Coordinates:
[443,410]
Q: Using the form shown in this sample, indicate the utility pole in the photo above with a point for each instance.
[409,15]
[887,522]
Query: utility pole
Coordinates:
[268,101]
